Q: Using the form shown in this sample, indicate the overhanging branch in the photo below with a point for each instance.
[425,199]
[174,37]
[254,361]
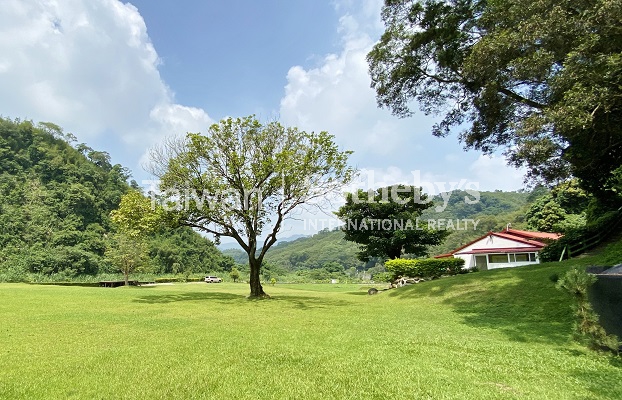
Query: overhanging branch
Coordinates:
[522,99]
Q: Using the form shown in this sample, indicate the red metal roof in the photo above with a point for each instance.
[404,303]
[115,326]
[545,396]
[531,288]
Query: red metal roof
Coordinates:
[446,255]
[519,239]
[533,235]
[503,250]
[525,237]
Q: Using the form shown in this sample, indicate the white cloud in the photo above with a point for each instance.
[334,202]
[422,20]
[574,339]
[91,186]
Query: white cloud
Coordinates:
[492,173]
[90,67]
[336,96]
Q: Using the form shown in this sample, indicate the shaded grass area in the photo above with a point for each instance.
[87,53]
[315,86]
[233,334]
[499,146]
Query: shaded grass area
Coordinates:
[489,335]
[522,303]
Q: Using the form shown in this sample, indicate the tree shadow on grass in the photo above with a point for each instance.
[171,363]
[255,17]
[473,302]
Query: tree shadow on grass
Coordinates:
[308,302]
[194,296]
[523,302]
[604,385]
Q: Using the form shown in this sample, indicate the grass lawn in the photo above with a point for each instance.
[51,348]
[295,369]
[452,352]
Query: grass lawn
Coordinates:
[488,335]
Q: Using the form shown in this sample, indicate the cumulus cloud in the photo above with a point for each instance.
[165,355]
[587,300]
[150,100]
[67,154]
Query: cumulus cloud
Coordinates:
[492,173]
[336,96]
[90,67]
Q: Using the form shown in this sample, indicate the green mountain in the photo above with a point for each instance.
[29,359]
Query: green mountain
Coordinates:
[315,252]
[55,202]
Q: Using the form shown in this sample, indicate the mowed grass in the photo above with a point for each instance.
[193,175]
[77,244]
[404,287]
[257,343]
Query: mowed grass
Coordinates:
[489,335]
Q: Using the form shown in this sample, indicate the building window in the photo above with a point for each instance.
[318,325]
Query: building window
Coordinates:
[522,257]
[497,258]
[532,257]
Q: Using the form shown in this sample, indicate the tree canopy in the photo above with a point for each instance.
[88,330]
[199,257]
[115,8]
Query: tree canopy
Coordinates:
[539,79]
[385,223]
[243,178]
[561,209]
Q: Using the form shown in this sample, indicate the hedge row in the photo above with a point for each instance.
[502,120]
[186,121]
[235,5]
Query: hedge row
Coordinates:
[425,268]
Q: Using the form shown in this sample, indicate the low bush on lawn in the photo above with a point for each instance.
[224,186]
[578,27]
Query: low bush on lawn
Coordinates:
[425,268]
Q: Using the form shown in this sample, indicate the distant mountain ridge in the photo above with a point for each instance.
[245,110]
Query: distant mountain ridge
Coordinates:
[232,245]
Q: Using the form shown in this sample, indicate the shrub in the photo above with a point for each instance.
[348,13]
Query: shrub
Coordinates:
[425,268]
[587,328]
[234,274]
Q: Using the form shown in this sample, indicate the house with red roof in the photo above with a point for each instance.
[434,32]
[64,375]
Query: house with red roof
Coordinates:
[505,249]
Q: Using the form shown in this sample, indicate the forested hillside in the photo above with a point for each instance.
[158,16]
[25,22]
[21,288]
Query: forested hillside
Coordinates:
[316,251]
[55,204]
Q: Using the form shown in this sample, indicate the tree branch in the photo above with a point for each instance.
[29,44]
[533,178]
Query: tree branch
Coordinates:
[521,99]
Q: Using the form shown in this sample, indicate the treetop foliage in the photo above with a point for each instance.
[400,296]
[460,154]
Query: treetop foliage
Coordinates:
[397,203]
[248,175]
[540,80]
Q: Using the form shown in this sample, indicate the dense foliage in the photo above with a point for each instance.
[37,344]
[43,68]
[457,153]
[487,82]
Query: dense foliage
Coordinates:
[55,201]
[385,223]
[55,205]
[562,209]
[425,268]
[590,233]
[540,80]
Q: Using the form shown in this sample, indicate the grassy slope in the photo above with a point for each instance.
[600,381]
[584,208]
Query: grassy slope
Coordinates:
[489,335]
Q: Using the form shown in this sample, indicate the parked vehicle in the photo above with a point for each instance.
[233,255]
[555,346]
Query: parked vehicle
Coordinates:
[212,279]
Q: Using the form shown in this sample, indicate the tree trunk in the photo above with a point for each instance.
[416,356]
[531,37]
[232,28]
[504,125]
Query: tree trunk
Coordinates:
[127,280]
[395,253]
[256,288]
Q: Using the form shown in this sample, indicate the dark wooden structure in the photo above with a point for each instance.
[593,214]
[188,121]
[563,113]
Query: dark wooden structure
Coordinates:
[116,283]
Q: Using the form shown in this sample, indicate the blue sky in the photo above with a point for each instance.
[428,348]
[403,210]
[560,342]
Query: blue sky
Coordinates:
[122,76]
[232,57]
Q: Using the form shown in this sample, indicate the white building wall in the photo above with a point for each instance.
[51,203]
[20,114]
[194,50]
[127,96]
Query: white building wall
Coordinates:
[494,242]
[469,260]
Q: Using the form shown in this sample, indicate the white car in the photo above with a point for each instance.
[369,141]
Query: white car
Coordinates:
[212,279]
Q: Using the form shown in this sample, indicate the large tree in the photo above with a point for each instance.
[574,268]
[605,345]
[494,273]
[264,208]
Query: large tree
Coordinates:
[385,222]
[539,79]
[243,178]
